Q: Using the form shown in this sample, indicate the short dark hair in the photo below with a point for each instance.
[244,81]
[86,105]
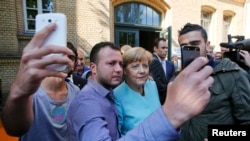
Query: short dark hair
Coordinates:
[157,40]
[96,49]
[193,27]
[72,47]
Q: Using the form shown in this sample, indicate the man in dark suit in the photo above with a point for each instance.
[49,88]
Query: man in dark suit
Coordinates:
[160,69]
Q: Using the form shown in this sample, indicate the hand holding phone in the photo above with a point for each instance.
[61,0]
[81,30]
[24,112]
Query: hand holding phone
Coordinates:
[188,54]
[57,37]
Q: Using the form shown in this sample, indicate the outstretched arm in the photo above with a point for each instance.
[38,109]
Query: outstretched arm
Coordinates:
[187,96]
[17,114]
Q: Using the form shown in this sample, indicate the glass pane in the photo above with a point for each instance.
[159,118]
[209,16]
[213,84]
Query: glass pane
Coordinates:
[143,14]
[134,11]
[122,13]
[31,24]
[31,11]
[131,39]
[126,12]
[31,14]
[119,16]
[226,26]
[149,16]
[31,3]
[137,13]
[47,5]
[122,37]
[156,19]
[206,25]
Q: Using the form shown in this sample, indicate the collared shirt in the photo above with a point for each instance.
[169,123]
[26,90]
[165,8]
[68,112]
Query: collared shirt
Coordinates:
[92,117]
[163,63]
[213,63]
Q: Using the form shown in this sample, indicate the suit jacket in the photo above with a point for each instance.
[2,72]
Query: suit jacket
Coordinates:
[157,72]
[170,70]
[78,81]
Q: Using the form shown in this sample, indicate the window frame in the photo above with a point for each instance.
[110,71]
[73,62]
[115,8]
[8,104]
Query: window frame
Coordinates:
[206,20]
[39,9]
[127,31]
[226,27]
[151,10]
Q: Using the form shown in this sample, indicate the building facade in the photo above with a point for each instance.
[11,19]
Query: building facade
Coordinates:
[134,22]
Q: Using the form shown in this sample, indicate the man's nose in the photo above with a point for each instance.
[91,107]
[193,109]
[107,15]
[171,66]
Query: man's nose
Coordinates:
[118,67]
[78,62]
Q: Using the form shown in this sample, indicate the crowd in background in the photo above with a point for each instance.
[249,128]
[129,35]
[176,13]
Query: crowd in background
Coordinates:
[126,93]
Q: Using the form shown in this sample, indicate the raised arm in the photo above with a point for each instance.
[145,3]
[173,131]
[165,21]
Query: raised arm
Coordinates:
[17,114]
[187,96]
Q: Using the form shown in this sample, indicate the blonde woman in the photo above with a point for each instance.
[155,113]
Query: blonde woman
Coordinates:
[136,97]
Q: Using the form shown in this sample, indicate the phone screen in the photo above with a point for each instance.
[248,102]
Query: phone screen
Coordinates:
[188,54]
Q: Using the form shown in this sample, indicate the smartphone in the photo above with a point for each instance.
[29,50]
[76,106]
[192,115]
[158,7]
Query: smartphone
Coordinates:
[57,37]
[188,54]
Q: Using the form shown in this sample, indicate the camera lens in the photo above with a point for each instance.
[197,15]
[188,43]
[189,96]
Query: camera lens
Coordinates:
[49,20]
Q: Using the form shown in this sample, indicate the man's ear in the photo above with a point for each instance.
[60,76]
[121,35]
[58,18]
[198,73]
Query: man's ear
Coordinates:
[92,67]
[207,45]
[155,48]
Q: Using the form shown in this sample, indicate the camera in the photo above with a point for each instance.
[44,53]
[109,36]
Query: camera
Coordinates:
[240,44]
[234,47]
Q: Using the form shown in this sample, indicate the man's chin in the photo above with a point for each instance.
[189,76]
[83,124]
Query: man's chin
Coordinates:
[79,68]
[116,82]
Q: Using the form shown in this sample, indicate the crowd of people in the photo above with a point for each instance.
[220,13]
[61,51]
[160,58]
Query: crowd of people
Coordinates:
[125,93]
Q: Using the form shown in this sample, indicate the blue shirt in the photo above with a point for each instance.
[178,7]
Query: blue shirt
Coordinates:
[132,107]
[92,117]
[213,63]
[92,114]
[86,69]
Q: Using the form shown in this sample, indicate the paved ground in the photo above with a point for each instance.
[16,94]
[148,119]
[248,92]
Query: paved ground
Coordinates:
[4,136]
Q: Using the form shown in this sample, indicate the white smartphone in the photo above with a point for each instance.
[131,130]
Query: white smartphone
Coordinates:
[57,37]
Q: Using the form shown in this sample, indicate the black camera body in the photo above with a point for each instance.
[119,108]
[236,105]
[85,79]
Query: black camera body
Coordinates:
[234,47]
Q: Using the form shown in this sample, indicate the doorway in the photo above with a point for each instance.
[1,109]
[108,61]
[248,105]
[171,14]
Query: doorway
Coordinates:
[136,37]
[146,39]
[136,24]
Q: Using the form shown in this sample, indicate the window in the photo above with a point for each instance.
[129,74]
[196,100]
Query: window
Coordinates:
[125,36]
[226,26]
[32,8]
[206,20]
[137,13]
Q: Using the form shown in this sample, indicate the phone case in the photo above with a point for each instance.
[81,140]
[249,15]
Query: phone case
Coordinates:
[188,54]
[57,37]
